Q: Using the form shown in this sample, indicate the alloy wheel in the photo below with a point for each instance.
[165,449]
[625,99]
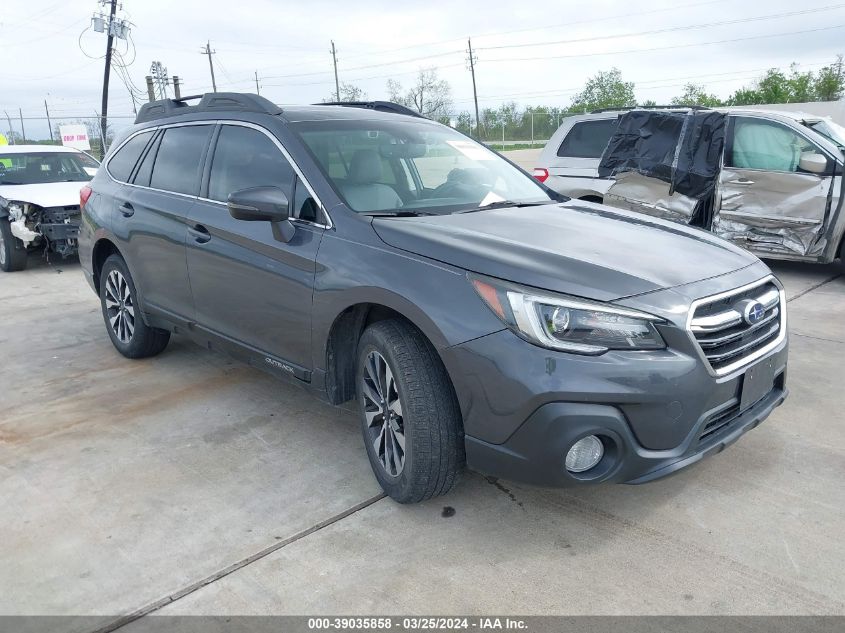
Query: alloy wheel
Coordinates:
[2,246]
[120,307]
[383,411]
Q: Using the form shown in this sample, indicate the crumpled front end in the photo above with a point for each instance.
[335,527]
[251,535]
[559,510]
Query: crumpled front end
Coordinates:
[55,228]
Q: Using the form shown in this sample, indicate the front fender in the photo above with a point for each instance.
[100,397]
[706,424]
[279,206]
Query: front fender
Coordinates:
[435,297]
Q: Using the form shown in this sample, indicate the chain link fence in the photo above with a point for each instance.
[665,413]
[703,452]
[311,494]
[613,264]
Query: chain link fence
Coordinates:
[505,128]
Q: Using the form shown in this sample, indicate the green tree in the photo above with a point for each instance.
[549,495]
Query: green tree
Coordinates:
[464,122]
[745,96]
[830,82]
[605,90]
[696,95]
[774,87]
[648,103]
[801,85]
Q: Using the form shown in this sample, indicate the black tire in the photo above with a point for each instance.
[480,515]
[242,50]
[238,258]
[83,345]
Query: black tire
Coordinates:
[130,335]
[12,250]
[430,422]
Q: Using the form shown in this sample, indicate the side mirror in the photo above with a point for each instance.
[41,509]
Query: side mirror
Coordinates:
[813,163]
[259,204]
[263,204]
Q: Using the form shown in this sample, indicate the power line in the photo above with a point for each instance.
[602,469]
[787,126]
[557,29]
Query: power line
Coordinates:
[686,27]
[568,24]
[664,48]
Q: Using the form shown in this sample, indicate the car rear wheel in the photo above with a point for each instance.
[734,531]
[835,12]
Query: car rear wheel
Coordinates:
[130,335]
[12,250]
[410,417]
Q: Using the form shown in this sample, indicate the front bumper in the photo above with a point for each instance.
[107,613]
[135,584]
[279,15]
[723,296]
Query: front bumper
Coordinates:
[656,412]
[535,453]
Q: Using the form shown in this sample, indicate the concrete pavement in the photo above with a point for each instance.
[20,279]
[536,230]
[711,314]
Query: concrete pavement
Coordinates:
[191,484]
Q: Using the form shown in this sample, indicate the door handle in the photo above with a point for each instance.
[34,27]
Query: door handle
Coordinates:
[741,181]
[127,210]
[199,233]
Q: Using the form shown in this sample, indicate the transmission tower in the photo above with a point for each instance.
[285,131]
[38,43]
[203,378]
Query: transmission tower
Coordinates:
[160,79]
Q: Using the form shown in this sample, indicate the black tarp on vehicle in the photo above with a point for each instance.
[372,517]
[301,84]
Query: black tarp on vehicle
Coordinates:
[683,149]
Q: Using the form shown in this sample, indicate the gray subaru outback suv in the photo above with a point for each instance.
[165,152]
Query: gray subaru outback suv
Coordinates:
[478,318]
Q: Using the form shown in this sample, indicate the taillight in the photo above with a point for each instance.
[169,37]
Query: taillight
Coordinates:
[84,194]
[541,174]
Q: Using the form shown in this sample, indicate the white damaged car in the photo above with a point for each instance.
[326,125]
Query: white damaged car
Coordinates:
[39,200]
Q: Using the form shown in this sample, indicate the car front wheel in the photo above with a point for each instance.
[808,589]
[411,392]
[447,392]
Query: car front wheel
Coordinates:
[130,335]
[410,417]
[12,250]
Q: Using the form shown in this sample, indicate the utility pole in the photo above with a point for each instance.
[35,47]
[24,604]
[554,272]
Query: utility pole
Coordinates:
[106,71]
[472,59]
[11,131]
[257,89]
[23,131]
[151,94]
[210,52]
[336,82]
[49,125]
[177,88]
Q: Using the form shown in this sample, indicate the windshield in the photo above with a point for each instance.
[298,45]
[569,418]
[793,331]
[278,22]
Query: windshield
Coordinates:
[405,165]
[830,130]
[42,167]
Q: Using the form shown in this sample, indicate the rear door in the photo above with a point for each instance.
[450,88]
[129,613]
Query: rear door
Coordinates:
[248,286]
[768,202]
[153,218]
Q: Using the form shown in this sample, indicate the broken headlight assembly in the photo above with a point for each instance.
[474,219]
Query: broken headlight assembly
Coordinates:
[16,210]
[566,323]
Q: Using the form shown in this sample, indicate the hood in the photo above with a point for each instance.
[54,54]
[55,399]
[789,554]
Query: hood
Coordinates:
[575,248]
[48,194]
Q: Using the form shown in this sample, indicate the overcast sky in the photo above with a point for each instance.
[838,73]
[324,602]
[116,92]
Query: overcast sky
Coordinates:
[528,52]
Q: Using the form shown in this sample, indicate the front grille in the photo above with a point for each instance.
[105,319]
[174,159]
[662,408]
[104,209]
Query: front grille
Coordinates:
[724,334]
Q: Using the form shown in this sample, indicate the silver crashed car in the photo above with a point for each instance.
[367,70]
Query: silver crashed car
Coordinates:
[769,181]
[39,200]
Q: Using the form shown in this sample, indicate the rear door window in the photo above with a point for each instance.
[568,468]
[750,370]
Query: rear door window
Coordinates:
[123,162]
[587,139]
[178,162]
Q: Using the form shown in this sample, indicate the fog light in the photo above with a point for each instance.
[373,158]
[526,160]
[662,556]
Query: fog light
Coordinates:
[584,454]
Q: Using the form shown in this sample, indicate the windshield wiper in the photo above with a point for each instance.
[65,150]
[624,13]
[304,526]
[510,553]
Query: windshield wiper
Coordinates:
[397,214]
[505,203]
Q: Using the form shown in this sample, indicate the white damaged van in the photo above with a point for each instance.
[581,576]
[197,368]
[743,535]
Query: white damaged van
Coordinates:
[768,181]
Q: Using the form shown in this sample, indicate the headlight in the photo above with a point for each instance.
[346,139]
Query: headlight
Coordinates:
[568,323]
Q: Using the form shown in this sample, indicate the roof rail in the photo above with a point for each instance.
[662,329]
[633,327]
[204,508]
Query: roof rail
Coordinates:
[680,106]
[208,102]
[380,106]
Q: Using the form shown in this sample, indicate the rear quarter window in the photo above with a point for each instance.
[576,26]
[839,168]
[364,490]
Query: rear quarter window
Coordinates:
[123,162]
[587,139]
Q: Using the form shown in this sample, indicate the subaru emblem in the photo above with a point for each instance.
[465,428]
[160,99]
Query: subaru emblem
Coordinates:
[753,312]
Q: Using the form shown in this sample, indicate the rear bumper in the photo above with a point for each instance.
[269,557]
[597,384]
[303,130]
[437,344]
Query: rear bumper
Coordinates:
[535,454]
